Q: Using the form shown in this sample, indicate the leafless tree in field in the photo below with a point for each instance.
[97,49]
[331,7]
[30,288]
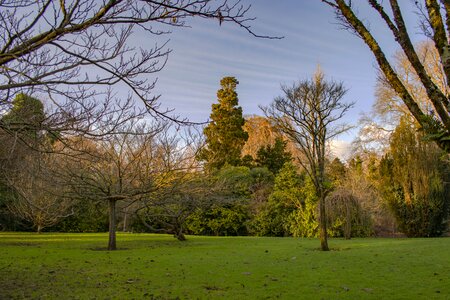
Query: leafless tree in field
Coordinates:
[127,168]
[307,113]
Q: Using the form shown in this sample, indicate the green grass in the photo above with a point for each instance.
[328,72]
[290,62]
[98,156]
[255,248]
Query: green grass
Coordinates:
[75,266]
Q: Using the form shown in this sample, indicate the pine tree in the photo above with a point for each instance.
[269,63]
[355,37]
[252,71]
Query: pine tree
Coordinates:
[225,135]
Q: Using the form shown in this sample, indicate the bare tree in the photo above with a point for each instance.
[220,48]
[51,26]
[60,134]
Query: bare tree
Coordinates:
[389,108]
[74,51]
[184,187]
[168,209]
[119,168]
[307,113]
[130,169]
[39,196]
[434,18]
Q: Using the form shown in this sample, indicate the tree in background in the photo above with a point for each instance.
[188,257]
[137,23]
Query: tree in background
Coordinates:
[34,192]
[19,134]
[434,18]
[25,116]
[336,172]
[273,156]
[261,133]
[22,126]
[414,181]
[168,209]
[307,113]
[362,183]
[225,135]
[228,215]
[39,194]
[389,108]
[273,218]
[243,194]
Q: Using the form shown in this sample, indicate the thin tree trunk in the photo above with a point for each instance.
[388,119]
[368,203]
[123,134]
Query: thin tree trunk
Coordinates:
[112,225]
[39,229]
[348,221]
[125,219]
[323,224]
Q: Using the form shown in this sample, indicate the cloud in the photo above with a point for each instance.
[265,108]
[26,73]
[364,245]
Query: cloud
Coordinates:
[340,149]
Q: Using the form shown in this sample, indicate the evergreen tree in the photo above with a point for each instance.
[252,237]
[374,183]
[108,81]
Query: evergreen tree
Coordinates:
[19,128]
[286,198]
[273,156]
[225,135]
[25,117]
[413,179]
[336,172]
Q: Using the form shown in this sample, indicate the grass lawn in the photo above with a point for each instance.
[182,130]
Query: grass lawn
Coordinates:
[75,266]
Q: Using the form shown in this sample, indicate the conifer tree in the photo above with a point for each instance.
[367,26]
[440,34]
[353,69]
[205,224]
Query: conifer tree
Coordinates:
[273,156]
[225,135]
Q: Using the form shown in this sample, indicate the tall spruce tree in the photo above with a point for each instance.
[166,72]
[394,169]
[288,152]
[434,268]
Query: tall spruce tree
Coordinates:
[225,135]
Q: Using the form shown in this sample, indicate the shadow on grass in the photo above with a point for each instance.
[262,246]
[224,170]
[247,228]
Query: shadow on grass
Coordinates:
[106,249]
[21,244]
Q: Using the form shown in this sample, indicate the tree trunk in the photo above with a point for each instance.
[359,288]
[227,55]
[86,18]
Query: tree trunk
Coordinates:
[179,234]
[125,219]
[112,225]
[348,221]
[323,224]
[39,229]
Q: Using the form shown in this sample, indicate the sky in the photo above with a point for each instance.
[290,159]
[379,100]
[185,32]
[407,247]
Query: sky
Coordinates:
[206,52]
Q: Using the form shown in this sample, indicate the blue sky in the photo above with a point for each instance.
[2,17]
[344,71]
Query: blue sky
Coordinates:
[206,52]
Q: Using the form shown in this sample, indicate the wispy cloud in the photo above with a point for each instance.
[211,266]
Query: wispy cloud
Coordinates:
[206,52]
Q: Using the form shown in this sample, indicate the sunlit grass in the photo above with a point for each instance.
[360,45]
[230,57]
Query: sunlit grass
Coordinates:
[75,266]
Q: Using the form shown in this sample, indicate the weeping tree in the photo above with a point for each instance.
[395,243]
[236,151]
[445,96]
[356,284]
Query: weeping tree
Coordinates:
[344,208]
[307,113]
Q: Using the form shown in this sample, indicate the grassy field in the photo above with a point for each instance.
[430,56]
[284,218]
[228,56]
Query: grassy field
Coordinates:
[75,266]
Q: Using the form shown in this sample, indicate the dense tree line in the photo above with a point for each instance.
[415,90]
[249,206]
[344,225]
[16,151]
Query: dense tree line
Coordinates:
[148,177]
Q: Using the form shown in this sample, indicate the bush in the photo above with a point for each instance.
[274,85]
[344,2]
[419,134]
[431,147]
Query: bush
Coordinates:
[219,221]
